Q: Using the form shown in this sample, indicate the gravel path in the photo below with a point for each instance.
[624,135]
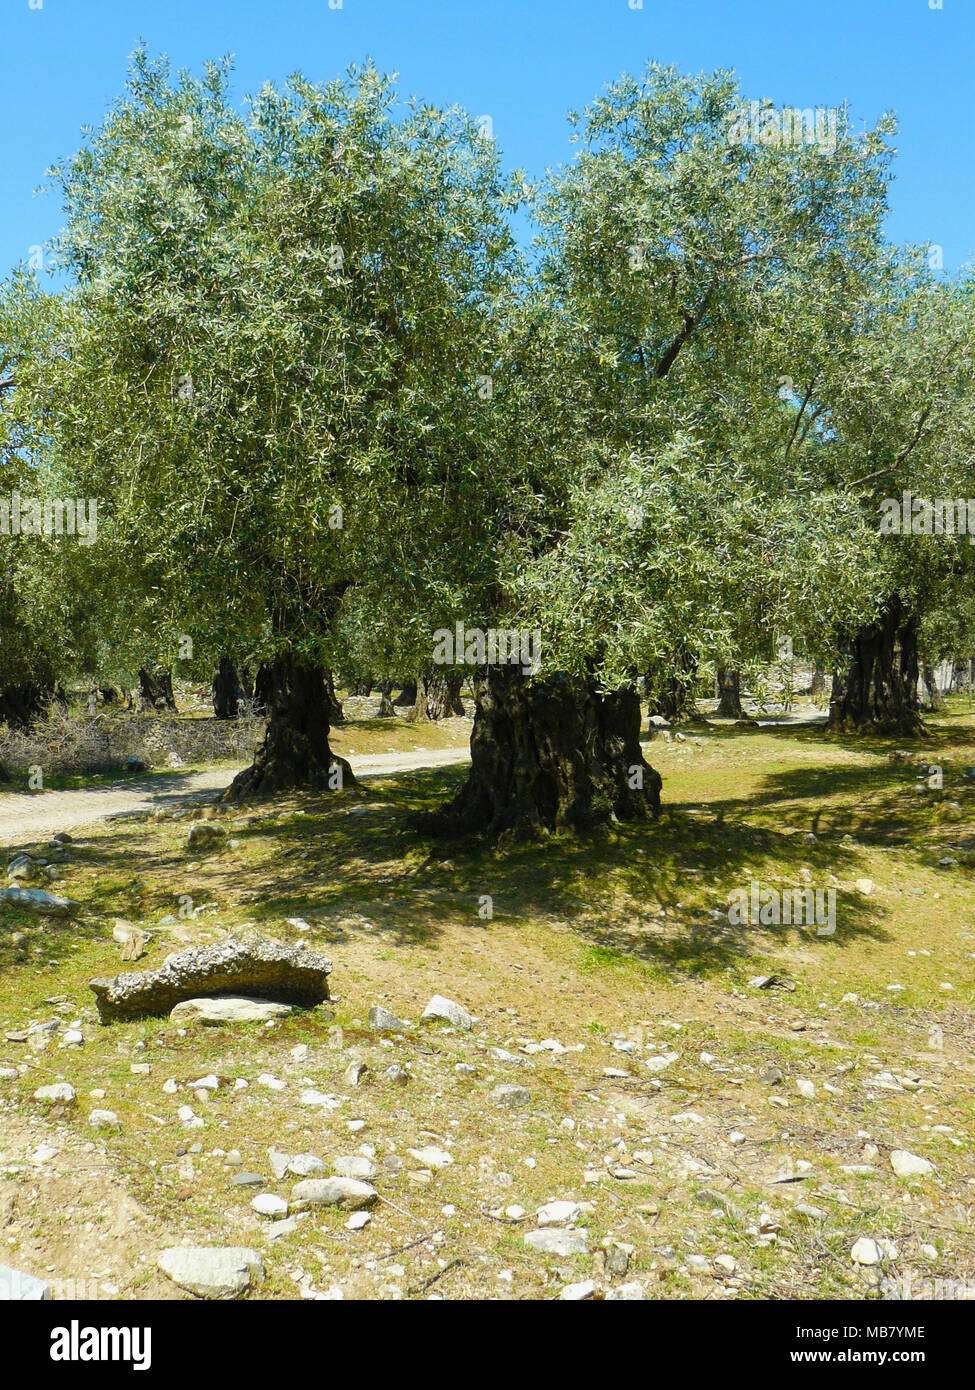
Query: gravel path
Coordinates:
[26,816]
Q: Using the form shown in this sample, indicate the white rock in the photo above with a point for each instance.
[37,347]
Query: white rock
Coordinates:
[228,1009]
[332,1192]
[908,1165]
[269,1204]
[58,1094]
[575,1293]
[439,1007]
[301,1165]
[431,1157]
[214,1272]
[104,1119]
[552,1241]
[319,1100]
[354,1166]
[805,1087]
[558,1213]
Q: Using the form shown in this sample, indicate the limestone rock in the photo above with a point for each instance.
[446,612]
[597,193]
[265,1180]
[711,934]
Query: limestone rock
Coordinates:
[246,966]
[228,1008]
[214,1271]
[446,1009]
[348,1193]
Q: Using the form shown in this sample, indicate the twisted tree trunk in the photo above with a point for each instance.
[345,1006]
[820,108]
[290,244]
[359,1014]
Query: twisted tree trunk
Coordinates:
[438,696]
[671,694]
[156,688]
[878,690]
[549,755]
[386,710]
[226,689]
[20,705]
[295,752]
[729,694]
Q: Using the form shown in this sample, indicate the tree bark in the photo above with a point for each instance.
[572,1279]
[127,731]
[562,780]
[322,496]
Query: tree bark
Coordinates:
[438,696]
[156,688]
[934,694]
[336,714]
[878,690]
[226,690]
[386,710]
[20,705]
[549,755]
[671,695]
[295,752]
[729,694]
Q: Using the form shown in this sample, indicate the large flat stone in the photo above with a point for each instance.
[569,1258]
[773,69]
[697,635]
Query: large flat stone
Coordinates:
[16,1287]
[214,1271]
[228,1008]
[36,900]
[251,966]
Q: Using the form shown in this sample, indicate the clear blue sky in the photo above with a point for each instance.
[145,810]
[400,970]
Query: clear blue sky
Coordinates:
[522,62]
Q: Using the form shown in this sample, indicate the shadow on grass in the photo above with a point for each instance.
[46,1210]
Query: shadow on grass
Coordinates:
[353,868]
[650,892]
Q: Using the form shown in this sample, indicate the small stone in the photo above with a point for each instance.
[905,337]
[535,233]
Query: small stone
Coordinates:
[58,1094]
[908,1165]
[384,1021]
[865,1252]
[104,1119]
[348,1193]
[432,1157]
[304,1166]
[575,1293]
[396,1075]
[558,1213]
[510,1096]
[269,1204]
[446,1009]
[214,1272]
[357,1221]
[552,1241]
[805,1088]
[354,1166]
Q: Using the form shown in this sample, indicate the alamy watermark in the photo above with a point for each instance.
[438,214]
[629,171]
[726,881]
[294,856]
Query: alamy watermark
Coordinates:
[920,516]
[760,123]
[476,646]
[49,516]
[771,907]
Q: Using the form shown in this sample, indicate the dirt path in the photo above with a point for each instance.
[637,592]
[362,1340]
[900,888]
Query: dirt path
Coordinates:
[26,816]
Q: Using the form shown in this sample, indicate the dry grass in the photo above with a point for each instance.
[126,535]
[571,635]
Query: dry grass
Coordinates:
[603,944]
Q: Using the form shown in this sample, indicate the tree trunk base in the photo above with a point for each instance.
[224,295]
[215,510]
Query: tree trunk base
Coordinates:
[295,753]
[549,755]
[437,697]
[878,691]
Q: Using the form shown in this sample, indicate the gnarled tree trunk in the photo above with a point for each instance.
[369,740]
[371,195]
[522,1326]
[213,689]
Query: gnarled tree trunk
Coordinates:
[20,705]
[549,755]
[226,689]
[878,690]
[336,714]
[295,751]
[438,696]
[729,694]
[671,694]
[386,710]
[156,688]
[935,701]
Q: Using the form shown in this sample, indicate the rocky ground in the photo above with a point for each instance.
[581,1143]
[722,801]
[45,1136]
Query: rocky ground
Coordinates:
[617,1095]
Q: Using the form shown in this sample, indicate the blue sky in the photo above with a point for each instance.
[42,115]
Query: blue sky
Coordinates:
[522,62]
